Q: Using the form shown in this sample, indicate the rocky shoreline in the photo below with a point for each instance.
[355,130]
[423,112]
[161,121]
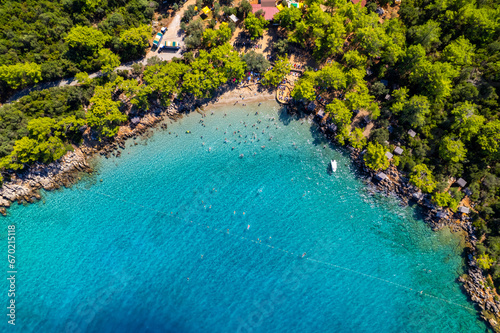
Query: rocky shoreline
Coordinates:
[25,187]
[477,287]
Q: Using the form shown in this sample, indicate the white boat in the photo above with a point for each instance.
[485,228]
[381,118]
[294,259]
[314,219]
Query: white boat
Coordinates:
[333,164]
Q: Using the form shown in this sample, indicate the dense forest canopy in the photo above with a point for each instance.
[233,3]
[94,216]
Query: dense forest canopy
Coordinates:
[46,40]
[434,68]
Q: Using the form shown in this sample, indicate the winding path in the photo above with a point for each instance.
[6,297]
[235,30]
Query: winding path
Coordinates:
[174,33]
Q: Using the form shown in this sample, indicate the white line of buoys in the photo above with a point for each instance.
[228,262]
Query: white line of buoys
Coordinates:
[259,242]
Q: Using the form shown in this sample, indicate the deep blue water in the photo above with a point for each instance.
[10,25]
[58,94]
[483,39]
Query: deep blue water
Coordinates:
[158,241]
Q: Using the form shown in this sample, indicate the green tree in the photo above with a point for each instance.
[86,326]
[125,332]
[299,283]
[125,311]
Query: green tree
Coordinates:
[355,59]
[400,99]
[428,35]
[211,70]
[466,121]
[422,178]
[316,17]
[134,41]
[340,114]
[332,40]
[217,37]
[104,115]
[136,94]
[164,80]
[375,156]
[460,52]
[360,99]
[21,74]
[342,134]
[332,76]
[108,60]
[41,128]
[414,55]
[25,152]
[288,17]
[489,139]
[484,261]
[355,79]
[244,9]
[301,33]
[435,78]
[228,62]
[82,77]
[280,70]
[68,126]
[357,138]
[255,25]
[371,40]
[50,150]
[416,111]
[224,33]
[86,39]
[480,24]
[281,46]
[209,38]
[304,88]
[442,199]
[256,62]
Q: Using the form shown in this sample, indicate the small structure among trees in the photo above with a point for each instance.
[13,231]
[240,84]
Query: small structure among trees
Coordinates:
[398,151]
[381,176]
[464,210]
[268,7]
[461,182]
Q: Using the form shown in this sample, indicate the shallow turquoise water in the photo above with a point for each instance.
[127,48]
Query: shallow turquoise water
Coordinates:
[162,243]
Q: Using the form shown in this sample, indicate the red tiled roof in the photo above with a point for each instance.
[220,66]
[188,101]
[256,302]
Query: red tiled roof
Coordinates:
[268,11]
[363,2]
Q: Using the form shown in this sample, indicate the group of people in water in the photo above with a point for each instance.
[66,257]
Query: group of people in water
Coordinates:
[239,133]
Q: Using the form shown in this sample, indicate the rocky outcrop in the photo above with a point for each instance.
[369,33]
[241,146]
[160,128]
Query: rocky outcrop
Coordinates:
[476,286]
[25,186]
[480,292]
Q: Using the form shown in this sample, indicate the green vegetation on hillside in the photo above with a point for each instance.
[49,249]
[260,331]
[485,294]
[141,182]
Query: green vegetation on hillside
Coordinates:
[435,69]
[46,40]
[41,126]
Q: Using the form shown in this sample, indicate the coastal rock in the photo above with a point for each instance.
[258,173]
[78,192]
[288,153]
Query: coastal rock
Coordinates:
[24,186]
[12,191]
[4,202]
[396,183]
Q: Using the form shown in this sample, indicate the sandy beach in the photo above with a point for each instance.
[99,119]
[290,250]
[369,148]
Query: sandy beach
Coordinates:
[246,94]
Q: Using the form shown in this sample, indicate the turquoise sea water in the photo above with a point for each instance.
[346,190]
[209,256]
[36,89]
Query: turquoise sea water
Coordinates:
[162,243]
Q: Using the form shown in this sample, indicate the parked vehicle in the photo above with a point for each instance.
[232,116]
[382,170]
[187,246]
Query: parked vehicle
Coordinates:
[157,39]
